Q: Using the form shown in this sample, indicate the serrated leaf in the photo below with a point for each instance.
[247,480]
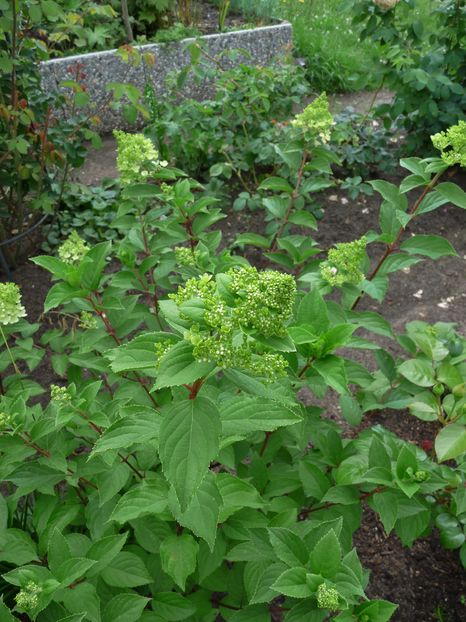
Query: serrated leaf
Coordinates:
[126,570]
[243,415]
[288,547]
[418,371]
[142,499]
[293,583]
[178,366]
[189,441]
[140,427]
[326,556]
[178,554]
[172,606]
[453,193]
[126,607]
[259,578]
[433,246]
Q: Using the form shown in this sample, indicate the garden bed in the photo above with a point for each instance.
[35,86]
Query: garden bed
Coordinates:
[260,45]
[427,581]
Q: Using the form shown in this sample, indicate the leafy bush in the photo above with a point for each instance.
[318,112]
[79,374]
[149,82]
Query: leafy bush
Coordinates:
[425,67]
[174,472]
[38,144]
[235,130]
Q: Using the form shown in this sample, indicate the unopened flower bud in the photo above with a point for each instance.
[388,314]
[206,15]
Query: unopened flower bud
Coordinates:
[327,597]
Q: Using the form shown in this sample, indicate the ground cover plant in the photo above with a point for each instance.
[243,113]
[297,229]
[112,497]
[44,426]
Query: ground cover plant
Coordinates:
[424,62]
[174,472]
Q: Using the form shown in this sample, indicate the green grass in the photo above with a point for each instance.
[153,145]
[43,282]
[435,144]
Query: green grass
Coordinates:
[337,59]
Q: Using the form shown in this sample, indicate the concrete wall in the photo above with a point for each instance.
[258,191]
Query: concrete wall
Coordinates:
[101,68]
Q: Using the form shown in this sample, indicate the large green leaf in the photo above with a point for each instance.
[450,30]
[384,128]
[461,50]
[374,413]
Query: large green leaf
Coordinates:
[453,193]
[138,354]
[288,547]
[146,498]
[326,556]
[178,554]
[243,415]
[202,514]
[189,441]
[450,442]
[126,570]
[139,427]
[433,246]
[178,366]
[126,607]
[418,371]
[172,606]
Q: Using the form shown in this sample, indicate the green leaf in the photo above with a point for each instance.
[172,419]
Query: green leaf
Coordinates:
[386,505]
[315,482]
[433,246]
[172,606]
[418,371]
[312,310]
[302,613]
[253,613]
[178,366]
[293,583]
[104,550]
[277,184]
[189,441]
[126,607]
[236,494]
[351,410]
[142,191]
[376,610]
[253,239]
[142,499]
[72,569]
[140,427]
[126,570]
[453,193]
[288,547]
[82,598]
[259,578]
[178,554]
[332,370]
[450,442]
[137,354]
[326,556]
[202,514]
[243,415]
[17,547]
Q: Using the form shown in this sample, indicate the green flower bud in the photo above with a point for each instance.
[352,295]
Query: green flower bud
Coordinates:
[185,256]
[11,309]
[136,157]
[253,303]
[73,249]
[327,597]
[60,395]
[343,264]
[421,476]
[87,320]
[459,390]
[27,599]
[315,120]
[439,389]
[452,144]
[6,421]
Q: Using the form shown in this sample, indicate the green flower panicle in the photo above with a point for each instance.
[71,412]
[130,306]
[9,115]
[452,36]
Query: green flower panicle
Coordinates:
[343,263]
[249,304]
[11,309]
[185,256]
[6,421]
[87,320]
[161,348]
[60,395]
[136,157]
[452,144]
[27,598]
[327,597]
[73,249]
[315,120]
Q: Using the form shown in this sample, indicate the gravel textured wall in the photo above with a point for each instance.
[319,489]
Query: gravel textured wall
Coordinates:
[101,68]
